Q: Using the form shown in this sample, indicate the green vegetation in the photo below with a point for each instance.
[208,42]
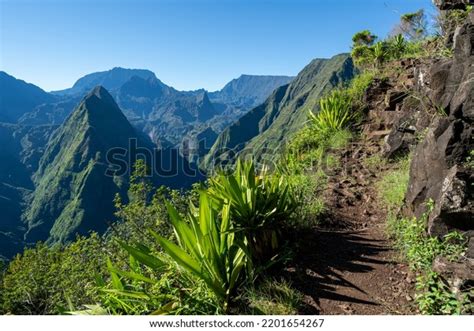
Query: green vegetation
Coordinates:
[274,298]
[207,248]
[224,242]
[264,131]
[393,186]
[335,113]
[260,204]
[418,249]
[408,40]
[211,250]
[54,279]
[390,49]
[375,162]
[433,295]
[470,160]
[44,279]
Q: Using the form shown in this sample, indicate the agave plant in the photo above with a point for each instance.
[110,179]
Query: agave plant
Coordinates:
[379,53]
[259,204]
[335,113]
[207,247]
[398,45]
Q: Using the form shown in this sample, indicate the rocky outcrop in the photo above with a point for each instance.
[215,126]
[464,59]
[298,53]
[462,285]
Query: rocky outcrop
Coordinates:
[452,4]
[395,111]
[458,275]
[439,171]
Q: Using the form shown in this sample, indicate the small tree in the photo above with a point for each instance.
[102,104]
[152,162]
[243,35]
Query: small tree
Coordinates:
[363,38]
[412,26]
[362,42]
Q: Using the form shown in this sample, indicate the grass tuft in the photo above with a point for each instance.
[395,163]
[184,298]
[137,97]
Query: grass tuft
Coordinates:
[273,297]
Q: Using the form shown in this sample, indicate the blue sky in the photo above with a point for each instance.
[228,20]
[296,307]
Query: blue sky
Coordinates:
[189,44]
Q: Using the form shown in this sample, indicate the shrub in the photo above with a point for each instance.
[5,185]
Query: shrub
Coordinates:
[154,288]
[379,53]
[397,46]
[420,250]
[470,160]
[207,248]
[45,280]
[357,88]
[363,38]
[259,206]
[335,113]
[435,297]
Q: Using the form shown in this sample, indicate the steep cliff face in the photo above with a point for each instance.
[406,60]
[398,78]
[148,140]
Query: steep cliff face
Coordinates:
[440,170]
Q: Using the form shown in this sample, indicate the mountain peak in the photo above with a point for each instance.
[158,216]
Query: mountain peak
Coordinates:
[100,92]
[111,79]
[100,107]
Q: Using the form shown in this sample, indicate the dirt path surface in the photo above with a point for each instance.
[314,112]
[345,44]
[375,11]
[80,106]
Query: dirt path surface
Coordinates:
[348,265]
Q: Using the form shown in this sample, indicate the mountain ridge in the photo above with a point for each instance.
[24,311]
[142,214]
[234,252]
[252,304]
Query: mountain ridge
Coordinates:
[74,162]
[17,97]
[265,127]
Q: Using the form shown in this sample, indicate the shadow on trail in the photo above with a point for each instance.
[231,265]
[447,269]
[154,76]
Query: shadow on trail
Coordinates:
[322,258]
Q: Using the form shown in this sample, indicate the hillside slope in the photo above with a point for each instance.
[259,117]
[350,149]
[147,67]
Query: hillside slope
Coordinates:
[72,193]
[267,127]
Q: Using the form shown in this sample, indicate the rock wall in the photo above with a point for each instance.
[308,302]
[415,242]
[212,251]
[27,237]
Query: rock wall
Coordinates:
[439,169]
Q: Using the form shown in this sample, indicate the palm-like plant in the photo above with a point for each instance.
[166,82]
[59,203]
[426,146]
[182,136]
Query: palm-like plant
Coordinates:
[259,203]
[207,246]
[379,53]
[398,45]
[335,113]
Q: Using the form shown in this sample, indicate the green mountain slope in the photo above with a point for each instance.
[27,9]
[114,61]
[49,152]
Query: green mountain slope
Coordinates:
[21,148]
[165,114]
[73,194]
[77,180]
[264,129]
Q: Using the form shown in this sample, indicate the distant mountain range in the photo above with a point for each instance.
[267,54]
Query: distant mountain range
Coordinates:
[266,128]
[111,80]
[54,145]
[56,177]
[164,113]
[18,98]
[248,91]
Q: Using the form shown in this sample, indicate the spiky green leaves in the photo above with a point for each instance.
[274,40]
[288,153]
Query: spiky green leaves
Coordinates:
[335,113]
